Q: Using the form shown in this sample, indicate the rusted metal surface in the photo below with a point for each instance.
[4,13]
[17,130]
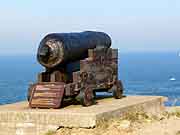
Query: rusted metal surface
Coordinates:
[79,80]
[100,69]
[46,95]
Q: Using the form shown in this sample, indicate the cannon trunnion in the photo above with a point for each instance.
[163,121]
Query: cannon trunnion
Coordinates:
[79,79]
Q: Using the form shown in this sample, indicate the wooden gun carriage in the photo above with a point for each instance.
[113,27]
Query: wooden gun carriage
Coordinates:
[80,79]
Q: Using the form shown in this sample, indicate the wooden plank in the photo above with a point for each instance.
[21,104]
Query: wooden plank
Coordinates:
[47,95]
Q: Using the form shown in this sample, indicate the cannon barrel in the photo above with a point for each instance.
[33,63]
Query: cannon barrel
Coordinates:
[59,48]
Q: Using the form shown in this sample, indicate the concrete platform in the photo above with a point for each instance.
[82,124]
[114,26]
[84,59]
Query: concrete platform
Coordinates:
[19,119]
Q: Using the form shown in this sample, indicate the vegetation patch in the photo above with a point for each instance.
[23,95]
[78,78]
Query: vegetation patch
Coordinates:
[50,132]
[127,124]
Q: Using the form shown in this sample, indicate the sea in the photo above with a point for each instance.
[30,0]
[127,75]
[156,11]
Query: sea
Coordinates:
[150,73]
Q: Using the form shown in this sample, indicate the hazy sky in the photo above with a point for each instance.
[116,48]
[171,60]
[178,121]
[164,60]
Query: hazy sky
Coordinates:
[134,25]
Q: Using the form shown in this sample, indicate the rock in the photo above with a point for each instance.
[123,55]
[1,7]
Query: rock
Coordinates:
[124,124]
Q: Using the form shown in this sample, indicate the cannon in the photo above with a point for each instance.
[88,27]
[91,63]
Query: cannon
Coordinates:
[77,65]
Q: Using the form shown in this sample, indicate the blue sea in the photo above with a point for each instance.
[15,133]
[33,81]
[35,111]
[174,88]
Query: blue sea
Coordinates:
[141,74]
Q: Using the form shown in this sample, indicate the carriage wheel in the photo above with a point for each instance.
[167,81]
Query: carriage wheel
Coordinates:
[118,91]
[86,96]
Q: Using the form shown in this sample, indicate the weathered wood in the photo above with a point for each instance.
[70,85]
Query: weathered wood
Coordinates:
[98,72]
[47,95]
